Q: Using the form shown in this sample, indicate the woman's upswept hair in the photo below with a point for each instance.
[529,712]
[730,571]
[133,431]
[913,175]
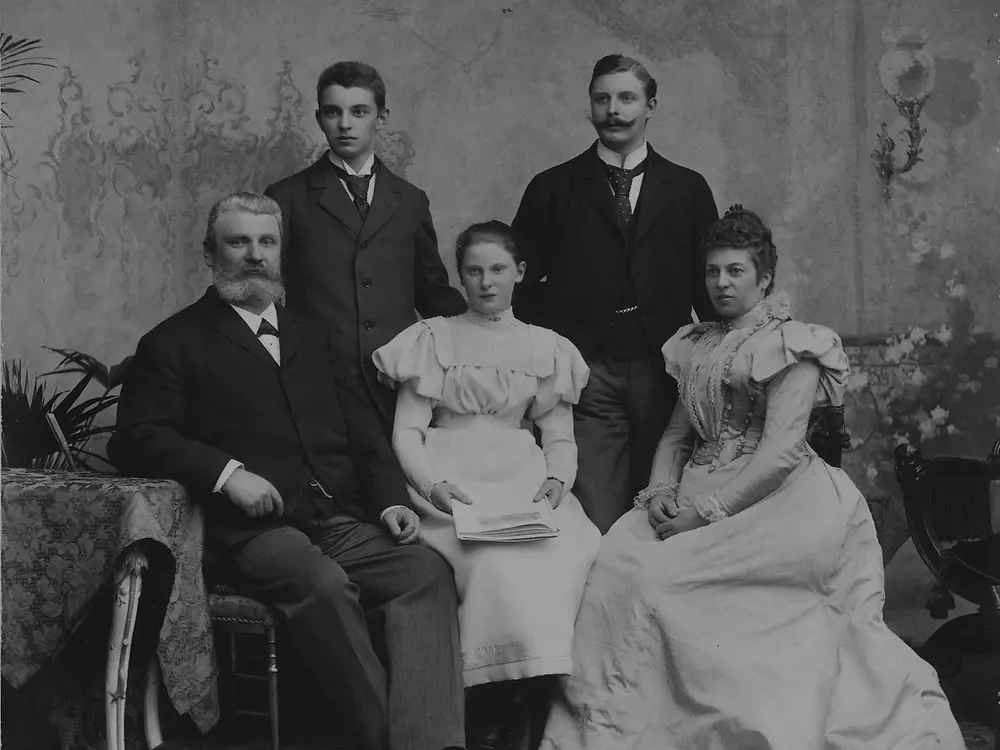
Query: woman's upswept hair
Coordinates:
[741,229]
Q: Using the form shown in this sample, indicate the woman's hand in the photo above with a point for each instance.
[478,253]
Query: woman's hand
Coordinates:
[443,493]
[553,489]
[661,509]
[685,520]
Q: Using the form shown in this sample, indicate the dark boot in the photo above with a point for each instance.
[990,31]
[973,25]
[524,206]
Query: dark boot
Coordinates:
[540,703]
[487,712]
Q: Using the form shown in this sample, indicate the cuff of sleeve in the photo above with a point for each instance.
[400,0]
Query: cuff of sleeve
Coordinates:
[391,507]
[645,497]
[709,508]
[232,466]
[424,487]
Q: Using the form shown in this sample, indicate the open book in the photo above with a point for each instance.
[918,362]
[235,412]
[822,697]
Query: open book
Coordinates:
[486,522]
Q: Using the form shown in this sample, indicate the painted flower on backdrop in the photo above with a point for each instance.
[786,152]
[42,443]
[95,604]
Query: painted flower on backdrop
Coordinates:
[940,394]
[954,288]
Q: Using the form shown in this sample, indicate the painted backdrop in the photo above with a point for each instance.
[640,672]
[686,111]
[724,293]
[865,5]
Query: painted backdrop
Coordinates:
[157,107]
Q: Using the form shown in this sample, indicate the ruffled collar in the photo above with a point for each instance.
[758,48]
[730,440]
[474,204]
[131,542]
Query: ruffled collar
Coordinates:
[503,319]
[774,305]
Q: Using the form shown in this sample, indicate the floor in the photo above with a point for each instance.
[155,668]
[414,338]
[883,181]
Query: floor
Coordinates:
[23,730]
[973,698]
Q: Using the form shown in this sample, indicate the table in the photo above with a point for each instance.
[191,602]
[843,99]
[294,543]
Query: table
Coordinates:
[68,535]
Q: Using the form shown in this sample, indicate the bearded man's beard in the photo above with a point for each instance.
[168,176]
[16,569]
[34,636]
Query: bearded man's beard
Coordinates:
[244,286]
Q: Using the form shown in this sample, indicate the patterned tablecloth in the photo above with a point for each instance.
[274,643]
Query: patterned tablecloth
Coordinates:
[62,535]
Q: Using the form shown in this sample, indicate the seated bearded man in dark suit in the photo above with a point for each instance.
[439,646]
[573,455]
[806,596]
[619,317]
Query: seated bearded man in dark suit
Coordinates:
[249,407]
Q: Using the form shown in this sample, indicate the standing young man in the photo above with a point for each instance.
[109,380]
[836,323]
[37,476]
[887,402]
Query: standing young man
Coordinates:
[361,252]
[614,267]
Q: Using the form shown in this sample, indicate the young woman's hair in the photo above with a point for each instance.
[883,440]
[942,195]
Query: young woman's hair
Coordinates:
[744,230]
[488,231]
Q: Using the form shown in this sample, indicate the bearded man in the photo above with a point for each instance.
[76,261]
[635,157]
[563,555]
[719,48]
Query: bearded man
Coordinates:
[306,510]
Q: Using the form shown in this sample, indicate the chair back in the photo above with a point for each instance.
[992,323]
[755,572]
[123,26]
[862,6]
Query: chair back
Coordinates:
[947,502]
[827,434]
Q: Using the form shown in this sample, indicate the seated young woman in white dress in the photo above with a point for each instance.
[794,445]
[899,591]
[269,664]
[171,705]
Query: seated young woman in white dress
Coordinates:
[741,605]
[465,384]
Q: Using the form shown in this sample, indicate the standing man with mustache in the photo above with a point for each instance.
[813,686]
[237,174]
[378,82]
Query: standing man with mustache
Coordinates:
[614,267]
[361,254]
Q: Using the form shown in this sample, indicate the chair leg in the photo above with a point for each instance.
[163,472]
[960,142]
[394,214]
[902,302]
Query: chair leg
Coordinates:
[151,704]
[127,591]
[272,685]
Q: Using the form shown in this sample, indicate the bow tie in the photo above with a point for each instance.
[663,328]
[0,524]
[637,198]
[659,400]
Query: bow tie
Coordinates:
[266,329]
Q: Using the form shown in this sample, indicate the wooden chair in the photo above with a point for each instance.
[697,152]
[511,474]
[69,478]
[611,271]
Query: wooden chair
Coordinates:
[827,434]
[947,501]
[233,614]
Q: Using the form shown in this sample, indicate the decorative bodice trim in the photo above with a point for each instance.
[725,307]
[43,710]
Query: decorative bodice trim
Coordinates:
[715,347]
[493,341]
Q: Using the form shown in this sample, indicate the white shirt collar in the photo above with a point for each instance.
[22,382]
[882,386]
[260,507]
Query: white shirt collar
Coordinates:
[633,160]
[253,320]
[366,168]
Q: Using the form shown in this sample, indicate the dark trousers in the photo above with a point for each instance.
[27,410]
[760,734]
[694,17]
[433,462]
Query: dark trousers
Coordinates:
[322,578]
[618,423]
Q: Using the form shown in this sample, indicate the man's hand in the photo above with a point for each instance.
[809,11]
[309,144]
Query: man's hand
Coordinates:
[553,489]
[442,495]
[403,524]
[254,494]
[661,509]
[686,520]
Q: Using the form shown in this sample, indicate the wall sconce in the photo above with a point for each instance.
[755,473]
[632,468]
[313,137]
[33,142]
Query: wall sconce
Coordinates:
[907,73]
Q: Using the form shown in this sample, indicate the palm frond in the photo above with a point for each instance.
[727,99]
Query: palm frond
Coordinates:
[17,54]
[27,439]
[74,361]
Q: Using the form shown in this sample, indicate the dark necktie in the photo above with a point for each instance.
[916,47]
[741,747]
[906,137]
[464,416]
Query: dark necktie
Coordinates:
[358,187]
[621,181]
[266,329]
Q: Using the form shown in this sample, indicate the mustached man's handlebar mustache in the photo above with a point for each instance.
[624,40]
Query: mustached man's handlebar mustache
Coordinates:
[617,123]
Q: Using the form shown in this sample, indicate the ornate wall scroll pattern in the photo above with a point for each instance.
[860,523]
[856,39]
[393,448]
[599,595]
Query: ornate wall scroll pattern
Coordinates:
[114,209]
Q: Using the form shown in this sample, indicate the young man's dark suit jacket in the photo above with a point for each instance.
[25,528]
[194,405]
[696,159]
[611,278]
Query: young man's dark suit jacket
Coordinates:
[361,281]
[201,390]
[582,264]
[567,220]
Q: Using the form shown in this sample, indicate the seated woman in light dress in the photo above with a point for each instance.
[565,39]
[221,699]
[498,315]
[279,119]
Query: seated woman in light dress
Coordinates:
[741,605]
[465,383]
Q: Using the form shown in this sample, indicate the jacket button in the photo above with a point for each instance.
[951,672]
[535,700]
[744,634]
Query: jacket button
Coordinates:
[369,325]
[364,244]
[366,283]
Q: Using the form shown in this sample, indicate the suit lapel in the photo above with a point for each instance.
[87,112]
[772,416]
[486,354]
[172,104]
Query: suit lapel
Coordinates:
[654,194]
[594,186]
[288,336]
[228,323]
[332,195]
[385,202]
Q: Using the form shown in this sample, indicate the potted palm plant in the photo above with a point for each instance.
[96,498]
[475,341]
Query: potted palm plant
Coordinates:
[29,440]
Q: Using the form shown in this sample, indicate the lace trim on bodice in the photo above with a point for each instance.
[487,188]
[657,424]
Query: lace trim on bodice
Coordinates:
[709,372]
[500,341]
